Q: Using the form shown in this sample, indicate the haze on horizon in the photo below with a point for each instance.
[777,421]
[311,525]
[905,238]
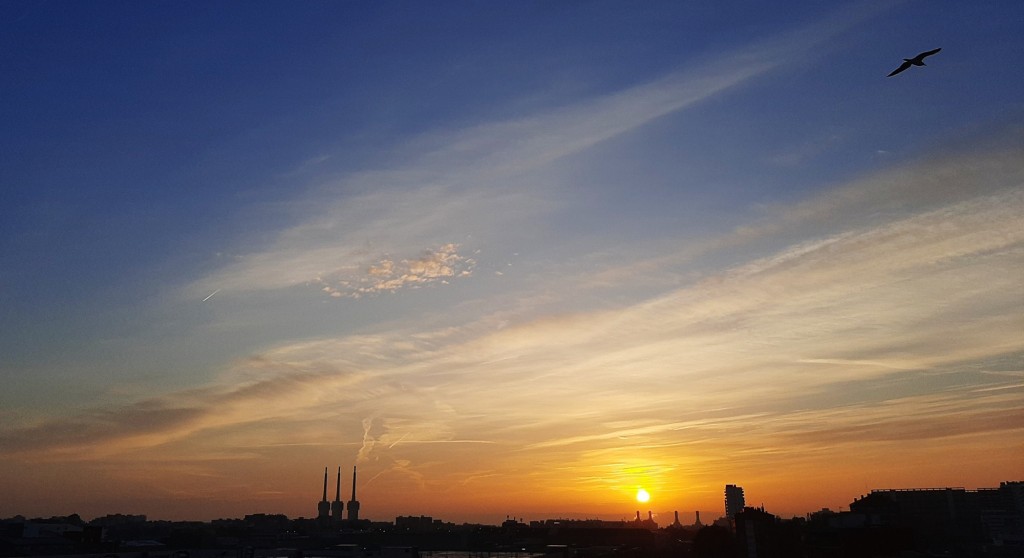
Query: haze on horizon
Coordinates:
[509,258]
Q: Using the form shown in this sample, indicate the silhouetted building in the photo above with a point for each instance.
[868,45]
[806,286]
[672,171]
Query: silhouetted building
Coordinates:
[266,522]
[940,518]
[1002,514]
[734,501]
[760,534]
[714,541]
[118,520]
[953,521]
[582,524]
[416,524]
[829,534]
[353,504]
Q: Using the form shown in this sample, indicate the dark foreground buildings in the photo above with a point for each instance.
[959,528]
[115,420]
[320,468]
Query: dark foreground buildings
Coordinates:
[953,522]
[904,523]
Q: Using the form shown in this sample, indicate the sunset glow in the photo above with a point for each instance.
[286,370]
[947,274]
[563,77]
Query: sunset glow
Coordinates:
[528,258]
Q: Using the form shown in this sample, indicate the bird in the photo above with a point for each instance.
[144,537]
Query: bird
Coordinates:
[915,61]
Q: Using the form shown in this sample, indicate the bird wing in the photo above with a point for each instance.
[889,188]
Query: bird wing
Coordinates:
[929,53]
[902,67]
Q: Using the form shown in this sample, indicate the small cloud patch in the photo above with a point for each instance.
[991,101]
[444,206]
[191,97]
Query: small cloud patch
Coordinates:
[389,275]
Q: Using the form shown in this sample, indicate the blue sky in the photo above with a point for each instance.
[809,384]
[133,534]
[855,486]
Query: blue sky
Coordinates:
[581,246]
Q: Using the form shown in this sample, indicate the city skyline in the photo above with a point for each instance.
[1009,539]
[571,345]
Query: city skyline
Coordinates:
[885,522]
[507,258]
[328,519]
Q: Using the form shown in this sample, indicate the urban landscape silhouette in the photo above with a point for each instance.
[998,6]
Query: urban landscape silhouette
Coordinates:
[953,522]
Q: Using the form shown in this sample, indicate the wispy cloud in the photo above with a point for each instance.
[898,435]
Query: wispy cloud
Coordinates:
[466,186]
[814,325]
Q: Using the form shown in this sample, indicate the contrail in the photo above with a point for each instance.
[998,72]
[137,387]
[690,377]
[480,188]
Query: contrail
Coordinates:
[211,295]
[395,443]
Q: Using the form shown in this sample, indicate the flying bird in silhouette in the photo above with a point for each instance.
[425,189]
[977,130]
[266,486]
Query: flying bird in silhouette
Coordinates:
[915,61]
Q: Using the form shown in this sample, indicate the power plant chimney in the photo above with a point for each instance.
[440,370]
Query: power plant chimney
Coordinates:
[353,504]
[337,507]
[324,507]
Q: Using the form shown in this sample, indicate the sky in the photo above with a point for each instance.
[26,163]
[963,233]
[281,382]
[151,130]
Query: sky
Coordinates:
[507,258]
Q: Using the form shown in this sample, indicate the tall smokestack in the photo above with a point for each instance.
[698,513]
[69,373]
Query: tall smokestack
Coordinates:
[353,504]
[337,507]
[323,509]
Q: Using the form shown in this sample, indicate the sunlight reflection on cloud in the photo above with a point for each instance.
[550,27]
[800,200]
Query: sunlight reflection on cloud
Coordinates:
[387,275]
[813,326]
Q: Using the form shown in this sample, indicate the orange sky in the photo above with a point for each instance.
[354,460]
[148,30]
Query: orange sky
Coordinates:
[779,375]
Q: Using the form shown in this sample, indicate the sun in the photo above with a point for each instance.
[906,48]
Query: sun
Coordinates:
[642,496]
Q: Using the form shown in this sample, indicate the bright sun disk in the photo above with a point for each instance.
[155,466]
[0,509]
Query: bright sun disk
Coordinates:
[642,496]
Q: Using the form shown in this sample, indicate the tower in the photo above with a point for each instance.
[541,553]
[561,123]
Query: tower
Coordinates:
[324,507]
[353,504]
[734,501]
[337,507]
